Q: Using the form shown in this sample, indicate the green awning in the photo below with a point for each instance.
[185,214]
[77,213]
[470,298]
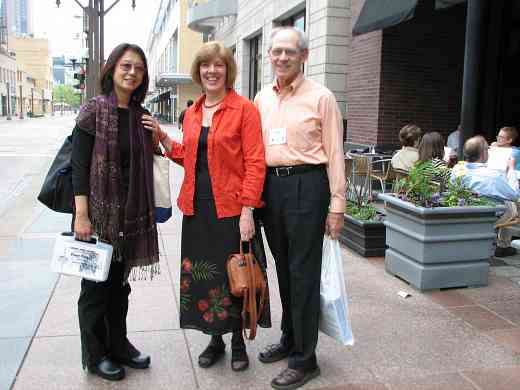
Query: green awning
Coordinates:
[380,14]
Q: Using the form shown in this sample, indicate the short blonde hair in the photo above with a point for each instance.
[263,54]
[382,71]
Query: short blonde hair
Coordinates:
[210,51]
[511,132]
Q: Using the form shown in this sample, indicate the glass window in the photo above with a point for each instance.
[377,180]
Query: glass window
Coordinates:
[255,66]
[296,20]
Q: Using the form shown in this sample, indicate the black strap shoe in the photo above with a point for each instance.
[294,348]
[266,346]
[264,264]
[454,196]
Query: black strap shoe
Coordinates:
[107,369]
[212,354]
[290,379]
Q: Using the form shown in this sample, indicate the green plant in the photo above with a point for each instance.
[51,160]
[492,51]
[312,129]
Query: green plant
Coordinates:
[419,189]
[362,212]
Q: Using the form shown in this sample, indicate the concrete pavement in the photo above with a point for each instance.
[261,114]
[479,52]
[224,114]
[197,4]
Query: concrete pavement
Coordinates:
[466,339]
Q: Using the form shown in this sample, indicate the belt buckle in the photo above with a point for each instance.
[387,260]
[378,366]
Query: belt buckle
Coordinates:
[283,171]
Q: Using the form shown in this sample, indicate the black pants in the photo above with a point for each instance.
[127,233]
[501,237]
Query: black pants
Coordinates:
[102,310]
[294,222]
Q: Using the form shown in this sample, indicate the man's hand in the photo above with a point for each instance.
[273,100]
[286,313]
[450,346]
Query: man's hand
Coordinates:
[334,224]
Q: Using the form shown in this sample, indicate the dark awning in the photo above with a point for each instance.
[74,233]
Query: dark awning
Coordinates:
[380,14]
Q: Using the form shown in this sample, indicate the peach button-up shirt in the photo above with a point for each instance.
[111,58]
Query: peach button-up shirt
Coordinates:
[309,113]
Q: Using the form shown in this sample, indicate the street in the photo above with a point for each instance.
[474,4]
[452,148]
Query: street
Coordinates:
[464,339]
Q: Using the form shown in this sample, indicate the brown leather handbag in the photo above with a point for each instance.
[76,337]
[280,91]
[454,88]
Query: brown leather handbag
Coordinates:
[247,281]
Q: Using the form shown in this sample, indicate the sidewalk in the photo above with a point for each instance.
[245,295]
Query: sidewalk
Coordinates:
[467,339]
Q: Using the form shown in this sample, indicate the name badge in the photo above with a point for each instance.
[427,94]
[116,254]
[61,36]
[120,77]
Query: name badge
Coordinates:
[278,136]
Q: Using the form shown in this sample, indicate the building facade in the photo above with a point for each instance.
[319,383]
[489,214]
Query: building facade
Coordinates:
[245,27]
[17,15]
[7,83]
[171,48]
[33,57]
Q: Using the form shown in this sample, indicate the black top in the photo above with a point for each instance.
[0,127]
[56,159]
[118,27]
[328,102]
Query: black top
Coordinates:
[82,147]
[202,181]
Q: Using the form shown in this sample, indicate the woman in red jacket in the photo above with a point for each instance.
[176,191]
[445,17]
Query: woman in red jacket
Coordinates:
[222,153]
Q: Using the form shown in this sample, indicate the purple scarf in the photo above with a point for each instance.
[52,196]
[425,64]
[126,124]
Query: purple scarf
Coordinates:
[127,221]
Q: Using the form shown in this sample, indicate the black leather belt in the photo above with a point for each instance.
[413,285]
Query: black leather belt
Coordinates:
[294,170]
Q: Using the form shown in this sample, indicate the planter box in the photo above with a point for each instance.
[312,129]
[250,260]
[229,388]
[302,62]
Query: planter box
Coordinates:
[364,237]
[438,247]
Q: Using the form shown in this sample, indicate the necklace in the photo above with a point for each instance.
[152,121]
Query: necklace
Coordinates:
[213,105]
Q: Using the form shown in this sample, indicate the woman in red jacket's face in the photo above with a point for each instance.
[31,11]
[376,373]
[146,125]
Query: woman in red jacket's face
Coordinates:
[213,75]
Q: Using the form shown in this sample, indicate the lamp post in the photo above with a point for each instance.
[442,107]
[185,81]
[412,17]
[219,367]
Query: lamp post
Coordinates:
[21,102]
[8,101]
[95,12]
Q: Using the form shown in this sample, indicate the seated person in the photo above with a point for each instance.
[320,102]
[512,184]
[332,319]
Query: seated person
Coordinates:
[431,148]
[506,138]
[453,140]
[490,183]
[407,156]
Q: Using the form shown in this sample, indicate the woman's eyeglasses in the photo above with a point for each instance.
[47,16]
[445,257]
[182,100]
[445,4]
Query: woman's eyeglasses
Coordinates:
[127,67]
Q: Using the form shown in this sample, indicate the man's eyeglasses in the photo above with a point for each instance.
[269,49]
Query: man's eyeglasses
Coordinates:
[277,52]
[127,67]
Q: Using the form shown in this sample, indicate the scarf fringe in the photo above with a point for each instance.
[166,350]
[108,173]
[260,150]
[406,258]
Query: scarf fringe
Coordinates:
[142,272]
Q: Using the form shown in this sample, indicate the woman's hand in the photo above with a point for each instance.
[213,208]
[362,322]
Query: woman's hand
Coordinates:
[246,224]
[82,228]
[152,125]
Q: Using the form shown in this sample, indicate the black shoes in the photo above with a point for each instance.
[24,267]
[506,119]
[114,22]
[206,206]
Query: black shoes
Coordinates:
[107,369]
[212,354]
[140,361]
[290,379]
[504,252]
[274,353]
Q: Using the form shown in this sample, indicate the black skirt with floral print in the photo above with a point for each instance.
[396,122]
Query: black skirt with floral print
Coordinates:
[205,301]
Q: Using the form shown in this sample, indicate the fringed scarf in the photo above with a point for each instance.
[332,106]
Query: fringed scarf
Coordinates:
[133,232]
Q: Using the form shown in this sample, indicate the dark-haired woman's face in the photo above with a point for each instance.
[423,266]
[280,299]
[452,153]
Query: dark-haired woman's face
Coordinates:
[129,72]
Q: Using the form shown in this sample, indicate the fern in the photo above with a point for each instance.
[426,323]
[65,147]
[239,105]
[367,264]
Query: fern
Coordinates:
[185,302]
[202,270]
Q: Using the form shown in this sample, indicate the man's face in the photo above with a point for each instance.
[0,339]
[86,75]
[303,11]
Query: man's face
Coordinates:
[286,56]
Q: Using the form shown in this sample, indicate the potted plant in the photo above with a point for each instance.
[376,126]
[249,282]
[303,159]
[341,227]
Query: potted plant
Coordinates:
[438,239]
[363,230]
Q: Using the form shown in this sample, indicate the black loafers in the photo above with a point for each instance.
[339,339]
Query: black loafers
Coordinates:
[290,379]
[107,369]
[139,362]
[274,353]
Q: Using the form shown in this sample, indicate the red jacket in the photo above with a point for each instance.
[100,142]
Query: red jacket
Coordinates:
[236,159]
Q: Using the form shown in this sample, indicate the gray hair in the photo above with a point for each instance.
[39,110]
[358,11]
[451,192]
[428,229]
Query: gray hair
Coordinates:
[303,41]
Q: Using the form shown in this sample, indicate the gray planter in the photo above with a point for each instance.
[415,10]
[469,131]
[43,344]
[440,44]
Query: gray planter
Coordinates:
[438,247]
[364,237]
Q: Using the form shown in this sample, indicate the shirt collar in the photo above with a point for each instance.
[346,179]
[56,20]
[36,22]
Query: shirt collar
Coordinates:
[475,165]
[292,87]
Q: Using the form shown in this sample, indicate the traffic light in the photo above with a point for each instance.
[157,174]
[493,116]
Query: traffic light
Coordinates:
[80,76]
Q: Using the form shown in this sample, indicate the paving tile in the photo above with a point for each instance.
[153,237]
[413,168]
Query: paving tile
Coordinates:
[499,288]
[450,298]
[49,222]
[509,338]
[21,311]
[481,318]
[507,308]
[506,271]
[13,351]
[507,378]
[26,275]
[356,386]
[444,381]
[54,363]
[29,249]
[4,246]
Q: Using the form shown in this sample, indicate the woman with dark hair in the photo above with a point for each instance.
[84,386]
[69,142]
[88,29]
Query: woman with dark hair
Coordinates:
[112,177]
[431,148]
[222,153]
[406,157]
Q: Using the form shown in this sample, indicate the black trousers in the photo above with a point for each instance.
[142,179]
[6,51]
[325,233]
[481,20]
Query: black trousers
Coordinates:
[102,310]
[294,223]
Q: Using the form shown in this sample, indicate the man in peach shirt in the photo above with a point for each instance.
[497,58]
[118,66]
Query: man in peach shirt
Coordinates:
[304,195]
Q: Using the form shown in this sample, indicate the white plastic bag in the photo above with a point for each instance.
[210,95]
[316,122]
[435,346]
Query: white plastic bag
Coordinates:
[334,318]
[161,186]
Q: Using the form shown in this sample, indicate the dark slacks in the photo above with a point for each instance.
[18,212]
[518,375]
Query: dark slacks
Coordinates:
[294,222]
[102,310]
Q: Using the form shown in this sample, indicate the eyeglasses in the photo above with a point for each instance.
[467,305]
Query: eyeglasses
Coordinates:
[127,67]
[277,52]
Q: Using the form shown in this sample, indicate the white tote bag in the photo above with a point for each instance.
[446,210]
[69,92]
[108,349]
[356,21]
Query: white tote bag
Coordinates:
[161,187]
[334,318]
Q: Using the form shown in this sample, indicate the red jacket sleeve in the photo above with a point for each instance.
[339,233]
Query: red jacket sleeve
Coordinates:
[254,156]
[176,153]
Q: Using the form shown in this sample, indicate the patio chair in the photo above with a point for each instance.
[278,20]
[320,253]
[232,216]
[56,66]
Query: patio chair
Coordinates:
[383,172]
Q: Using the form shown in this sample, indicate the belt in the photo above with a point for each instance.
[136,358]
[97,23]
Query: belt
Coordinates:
[294,170]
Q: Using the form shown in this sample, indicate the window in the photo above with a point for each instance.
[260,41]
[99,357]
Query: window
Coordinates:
[255,66]
[296,20]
